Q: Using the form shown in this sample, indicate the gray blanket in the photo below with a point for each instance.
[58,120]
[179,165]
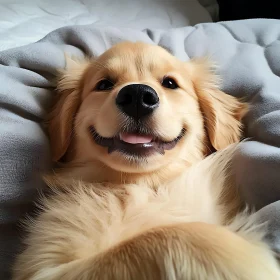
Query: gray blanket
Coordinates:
[248,53]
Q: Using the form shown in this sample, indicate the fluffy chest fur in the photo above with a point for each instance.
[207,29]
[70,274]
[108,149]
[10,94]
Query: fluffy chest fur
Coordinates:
[106,231]
[98,216]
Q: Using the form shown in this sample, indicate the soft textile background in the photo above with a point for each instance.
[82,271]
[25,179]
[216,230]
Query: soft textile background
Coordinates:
[27,21]
[249,59]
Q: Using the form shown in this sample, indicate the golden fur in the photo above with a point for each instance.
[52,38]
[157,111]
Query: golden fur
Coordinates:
[172,216]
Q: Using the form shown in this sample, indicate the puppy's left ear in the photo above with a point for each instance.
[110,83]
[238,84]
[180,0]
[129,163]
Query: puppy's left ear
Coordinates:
[222,112]
[61,119]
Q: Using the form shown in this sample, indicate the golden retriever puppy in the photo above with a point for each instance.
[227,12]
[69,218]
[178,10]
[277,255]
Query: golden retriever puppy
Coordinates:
[136,195]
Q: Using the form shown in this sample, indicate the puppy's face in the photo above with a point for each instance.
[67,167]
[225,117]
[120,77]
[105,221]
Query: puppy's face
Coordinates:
[137,108]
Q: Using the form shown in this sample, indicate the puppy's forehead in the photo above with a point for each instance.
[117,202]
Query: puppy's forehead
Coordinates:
[137,56]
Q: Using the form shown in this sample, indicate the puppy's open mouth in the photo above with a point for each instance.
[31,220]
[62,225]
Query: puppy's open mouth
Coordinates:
[135,144]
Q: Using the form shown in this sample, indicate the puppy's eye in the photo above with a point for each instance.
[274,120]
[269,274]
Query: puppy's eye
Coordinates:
[104,85]
[169,83]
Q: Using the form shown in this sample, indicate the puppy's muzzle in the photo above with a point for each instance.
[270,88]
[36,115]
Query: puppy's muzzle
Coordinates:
[137,100]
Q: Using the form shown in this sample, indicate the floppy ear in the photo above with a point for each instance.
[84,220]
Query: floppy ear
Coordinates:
[222,112]
[61,118]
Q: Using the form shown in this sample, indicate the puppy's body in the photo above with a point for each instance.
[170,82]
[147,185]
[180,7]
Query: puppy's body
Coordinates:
[109,231]
[167,215]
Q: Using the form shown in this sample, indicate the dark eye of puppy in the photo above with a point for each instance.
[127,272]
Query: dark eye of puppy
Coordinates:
[168,82]
[104,85]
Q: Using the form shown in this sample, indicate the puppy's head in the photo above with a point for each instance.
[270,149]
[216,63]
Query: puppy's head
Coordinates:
[136,108]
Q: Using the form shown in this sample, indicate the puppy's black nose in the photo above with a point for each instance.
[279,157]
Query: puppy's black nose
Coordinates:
[137,100]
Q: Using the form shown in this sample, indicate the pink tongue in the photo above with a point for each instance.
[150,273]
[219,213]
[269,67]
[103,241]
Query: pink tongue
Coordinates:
[135,138]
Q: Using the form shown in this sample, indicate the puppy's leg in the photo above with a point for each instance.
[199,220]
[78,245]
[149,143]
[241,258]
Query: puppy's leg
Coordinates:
[188,251]
[193,251]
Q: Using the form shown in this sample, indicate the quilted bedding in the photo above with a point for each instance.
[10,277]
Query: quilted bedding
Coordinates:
[249,59]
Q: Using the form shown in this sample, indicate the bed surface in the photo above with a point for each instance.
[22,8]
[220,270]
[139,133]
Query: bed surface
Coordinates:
[26,21]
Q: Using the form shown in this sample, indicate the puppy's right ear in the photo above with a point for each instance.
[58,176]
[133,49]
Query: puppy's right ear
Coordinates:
[222,112]
[61,119]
